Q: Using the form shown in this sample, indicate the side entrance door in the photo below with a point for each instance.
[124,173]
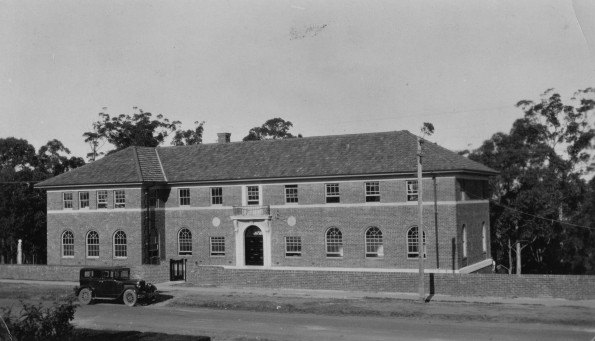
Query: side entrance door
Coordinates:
[253,246]
[177,270]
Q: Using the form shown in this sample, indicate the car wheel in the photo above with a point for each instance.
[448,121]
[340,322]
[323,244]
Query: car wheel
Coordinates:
[130,297]
[85,296]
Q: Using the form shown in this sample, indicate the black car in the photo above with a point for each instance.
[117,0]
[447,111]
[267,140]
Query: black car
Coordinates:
[112,283]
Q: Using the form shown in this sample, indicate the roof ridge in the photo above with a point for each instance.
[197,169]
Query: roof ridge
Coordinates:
[137,163]
[160,164]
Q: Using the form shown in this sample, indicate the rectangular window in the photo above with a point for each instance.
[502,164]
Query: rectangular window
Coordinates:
[184,196]
[293,246]
[253,197]
[332,193]
[67,200]
[101,199]
[412,190]
[119,199]
[216,196]
[83,199]
[217,246]
[373,191]
[291,194]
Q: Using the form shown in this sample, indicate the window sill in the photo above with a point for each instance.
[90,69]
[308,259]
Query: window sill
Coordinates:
[92,257]
[217,256]
[68,257]
[292,257]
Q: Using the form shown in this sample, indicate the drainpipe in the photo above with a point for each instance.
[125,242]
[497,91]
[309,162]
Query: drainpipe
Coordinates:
[148,223]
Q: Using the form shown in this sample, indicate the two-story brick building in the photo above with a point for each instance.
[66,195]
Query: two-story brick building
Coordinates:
[346,201]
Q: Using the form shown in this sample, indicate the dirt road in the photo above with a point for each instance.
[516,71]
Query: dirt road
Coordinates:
[243,325]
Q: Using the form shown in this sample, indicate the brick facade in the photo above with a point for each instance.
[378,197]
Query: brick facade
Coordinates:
[308,219]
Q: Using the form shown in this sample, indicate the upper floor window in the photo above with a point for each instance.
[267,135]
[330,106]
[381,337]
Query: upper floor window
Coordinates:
[67,198]
[372,191]
[217,246]
[184,242]
[184,197]
[332,193]
[413,243]
[67,244]
[119,199]
[334,242]
[374,246]
[120,246]
[101,199]
[216,196]
[83,199]
[291,194]
[92,244]
[293,246]
[411,190]
[253,195]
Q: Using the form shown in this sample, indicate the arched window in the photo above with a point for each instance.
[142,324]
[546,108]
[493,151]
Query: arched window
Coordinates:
[184,242]
[334,242]
[92,244]
[413,243]
[464,233]
[67,244]
[120,248]
[374,247]
[484,237]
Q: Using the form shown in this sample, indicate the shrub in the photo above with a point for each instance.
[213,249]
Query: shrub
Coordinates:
[38,323]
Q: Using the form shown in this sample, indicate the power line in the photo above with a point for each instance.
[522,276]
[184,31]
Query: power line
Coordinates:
[539,217]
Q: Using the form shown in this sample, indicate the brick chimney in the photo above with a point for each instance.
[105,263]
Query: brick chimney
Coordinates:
[223,137]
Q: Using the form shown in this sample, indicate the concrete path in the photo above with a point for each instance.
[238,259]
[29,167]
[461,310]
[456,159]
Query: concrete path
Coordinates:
[182,286]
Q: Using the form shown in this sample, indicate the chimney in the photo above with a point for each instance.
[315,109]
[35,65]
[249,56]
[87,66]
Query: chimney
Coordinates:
[223,137]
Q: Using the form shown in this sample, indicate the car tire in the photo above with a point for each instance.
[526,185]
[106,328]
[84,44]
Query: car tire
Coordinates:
[85,296]
[130,297]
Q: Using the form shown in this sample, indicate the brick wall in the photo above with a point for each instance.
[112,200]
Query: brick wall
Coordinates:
[468,285]
[463,285]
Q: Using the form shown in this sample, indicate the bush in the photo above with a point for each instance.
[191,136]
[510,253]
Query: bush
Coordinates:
[38,323]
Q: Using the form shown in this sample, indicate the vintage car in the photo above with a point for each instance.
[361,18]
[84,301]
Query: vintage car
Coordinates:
[112,283]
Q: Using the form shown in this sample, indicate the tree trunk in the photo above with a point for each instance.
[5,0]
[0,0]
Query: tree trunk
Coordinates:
[518,252]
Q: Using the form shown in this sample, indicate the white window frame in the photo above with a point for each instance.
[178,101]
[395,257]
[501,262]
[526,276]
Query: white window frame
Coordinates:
[252,201]
[484,237]
[374,242]
[119,198]
[413,243]
[92,248]
[333,241]
[67,248]
[216,198]
[412,189]
[372,191]
[291,194]
[217,246]
[464,240]
[186,242]
[101,201]
[185,199]
[332,196]
[67,204]
[120,245]
[82,200]
[293,246]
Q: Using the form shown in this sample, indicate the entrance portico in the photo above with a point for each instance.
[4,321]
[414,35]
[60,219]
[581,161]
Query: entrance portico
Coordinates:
[252,237]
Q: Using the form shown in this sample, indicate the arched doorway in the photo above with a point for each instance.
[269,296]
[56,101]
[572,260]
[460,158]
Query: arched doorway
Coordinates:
[253,242]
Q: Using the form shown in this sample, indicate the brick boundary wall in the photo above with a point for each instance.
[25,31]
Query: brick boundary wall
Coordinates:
[477,285]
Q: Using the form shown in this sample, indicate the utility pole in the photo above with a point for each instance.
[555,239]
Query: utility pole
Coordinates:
[518,252]
[420,227]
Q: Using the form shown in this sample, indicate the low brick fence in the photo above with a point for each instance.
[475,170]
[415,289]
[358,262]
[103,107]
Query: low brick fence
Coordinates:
[477,285]
[151,273]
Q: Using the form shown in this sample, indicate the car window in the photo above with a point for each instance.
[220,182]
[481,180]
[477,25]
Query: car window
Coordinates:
[122,274]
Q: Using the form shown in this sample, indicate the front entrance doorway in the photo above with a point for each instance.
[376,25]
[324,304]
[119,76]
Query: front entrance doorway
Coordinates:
[253,246]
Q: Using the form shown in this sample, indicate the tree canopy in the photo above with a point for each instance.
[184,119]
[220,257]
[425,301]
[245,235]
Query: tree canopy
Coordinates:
[22,207]
[540,189]
[138,129]
[275,128]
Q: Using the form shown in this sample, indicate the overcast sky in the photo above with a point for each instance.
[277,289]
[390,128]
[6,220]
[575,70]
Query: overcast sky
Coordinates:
[330,67]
